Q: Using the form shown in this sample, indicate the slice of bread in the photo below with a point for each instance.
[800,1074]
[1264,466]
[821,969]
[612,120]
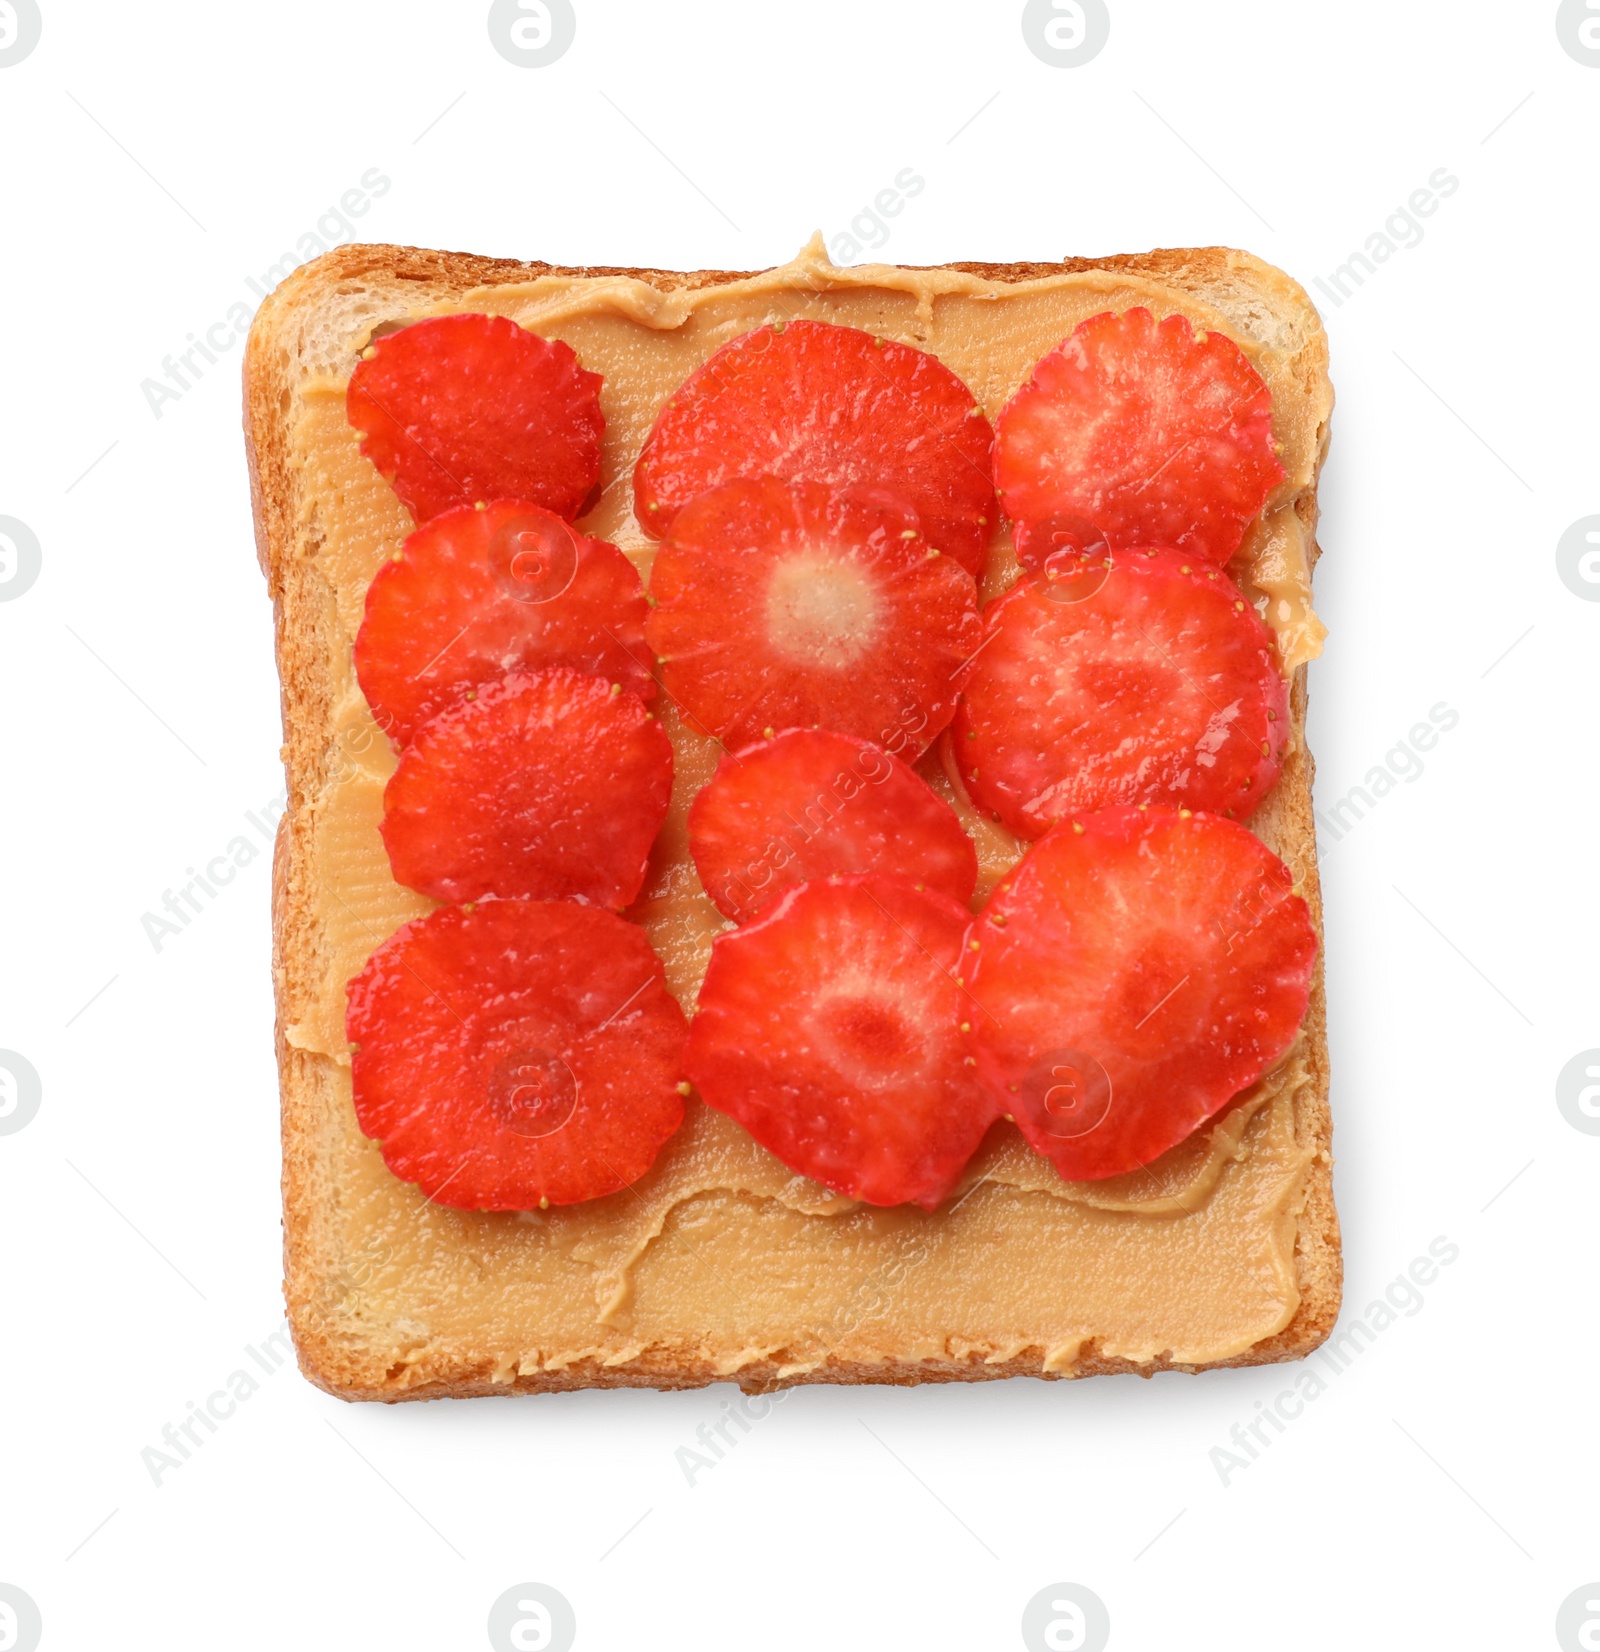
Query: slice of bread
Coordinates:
[720,1265]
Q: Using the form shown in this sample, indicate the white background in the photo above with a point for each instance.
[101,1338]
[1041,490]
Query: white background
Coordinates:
[1441,1492]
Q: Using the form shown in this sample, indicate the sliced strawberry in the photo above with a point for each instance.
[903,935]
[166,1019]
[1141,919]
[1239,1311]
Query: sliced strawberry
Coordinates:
[809,804]
[1153,435]
[516,1053]
[827,404]
[547,783]
[1061,536]
[463,408]
[787,605]
[475,594]
[1134,677]
[1137,970]
[829,1028]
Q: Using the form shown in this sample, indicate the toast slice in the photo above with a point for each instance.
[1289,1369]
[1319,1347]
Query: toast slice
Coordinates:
[719,1264]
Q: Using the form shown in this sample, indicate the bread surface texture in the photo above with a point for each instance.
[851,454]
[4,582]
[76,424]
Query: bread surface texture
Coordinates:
[721,1265]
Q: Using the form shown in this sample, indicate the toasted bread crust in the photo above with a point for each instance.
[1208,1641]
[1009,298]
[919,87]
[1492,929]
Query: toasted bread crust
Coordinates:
[1256,297]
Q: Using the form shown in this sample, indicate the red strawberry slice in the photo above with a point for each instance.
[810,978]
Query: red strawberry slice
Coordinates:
[787,605]
[475,594]
[463,408]
[1134,677]
[1154,435]
[827,404]
[810,804]
[516,1054]
[829,1028]
[1137,971]
[547,783]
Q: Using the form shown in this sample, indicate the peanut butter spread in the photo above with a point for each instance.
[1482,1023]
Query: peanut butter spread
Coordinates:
[719,1253]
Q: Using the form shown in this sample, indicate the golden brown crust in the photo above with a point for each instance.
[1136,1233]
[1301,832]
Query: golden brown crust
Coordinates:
[1261,299]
